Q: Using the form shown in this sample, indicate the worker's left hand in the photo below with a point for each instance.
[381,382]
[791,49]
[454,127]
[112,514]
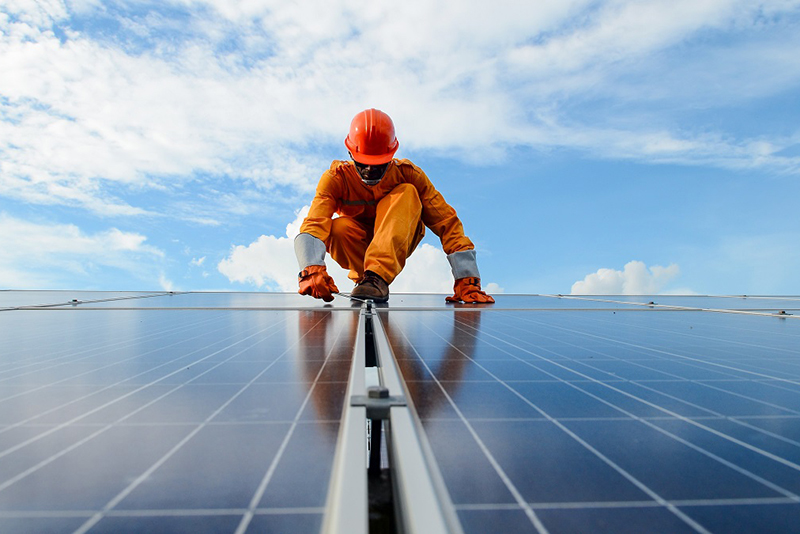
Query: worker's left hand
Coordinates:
[469,290]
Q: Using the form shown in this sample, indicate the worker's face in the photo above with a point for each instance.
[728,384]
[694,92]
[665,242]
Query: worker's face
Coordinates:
[371,174]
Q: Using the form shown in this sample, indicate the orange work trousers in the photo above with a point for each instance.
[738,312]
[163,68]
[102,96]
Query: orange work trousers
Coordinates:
[383,246]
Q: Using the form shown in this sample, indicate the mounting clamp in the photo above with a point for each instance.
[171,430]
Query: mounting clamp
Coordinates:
[377,401]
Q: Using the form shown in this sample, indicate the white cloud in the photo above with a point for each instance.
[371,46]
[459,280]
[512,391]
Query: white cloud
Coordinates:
[270,262]
[492,288]
[41,255]
[259,91]
[198,262]
[635,279]
[427,271]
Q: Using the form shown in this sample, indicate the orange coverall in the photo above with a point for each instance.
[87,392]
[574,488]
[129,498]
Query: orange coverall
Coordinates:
[379,226]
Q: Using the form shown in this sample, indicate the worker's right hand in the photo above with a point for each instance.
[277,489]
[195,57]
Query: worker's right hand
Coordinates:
[315,281]
[469,291]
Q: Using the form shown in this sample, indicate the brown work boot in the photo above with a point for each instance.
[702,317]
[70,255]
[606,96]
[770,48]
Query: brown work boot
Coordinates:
[371,287]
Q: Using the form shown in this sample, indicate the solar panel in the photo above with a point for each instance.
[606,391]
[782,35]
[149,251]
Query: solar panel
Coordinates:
[247,412]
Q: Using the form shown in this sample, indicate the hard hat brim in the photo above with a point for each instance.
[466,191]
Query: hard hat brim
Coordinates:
[370,159]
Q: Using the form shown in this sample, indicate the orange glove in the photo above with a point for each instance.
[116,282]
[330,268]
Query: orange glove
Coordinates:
[469,290]
[315,281]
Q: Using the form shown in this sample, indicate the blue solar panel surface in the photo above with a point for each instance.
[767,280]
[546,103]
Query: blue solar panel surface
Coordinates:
[612,421]
[219,412]
[192,420]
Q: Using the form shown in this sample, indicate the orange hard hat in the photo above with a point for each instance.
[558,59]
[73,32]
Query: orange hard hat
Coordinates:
[371,140]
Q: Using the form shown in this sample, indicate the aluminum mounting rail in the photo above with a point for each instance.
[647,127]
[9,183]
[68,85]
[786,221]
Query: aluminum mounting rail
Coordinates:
[421,501]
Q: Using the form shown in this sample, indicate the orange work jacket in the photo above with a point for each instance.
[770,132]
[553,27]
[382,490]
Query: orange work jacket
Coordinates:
[341,191]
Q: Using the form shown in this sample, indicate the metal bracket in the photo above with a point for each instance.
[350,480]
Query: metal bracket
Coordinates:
[378,402]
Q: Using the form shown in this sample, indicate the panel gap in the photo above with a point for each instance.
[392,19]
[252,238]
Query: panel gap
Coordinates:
[380,489]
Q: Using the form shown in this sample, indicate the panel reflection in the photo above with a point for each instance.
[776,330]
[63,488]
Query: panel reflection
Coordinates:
[448,355]
[326,338]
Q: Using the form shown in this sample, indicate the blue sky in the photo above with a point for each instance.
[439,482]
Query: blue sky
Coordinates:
[589,146]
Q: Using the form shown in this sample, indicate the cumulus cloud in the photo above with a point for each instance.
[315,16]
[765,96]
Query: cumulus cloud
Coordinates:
[258,92]
[427,271]
[41,255]
[635,279]
[270,263]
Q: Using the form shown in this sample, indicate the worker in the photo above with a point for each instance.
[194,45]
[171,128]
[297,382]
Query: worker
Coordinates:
[383,206]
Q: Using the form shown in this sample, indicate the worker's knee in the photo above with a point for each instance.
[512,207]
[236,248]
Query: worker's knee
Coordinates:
[406,194]
[405,190]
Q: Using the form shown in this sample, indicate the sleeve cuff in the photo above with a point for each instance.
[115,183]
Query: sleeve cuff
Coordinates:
[309,250]
[464,264]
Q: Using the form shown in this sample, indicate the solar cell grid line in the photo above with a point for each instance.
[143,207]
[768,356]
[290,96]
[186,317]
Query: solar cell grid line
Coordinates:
[639,346]
[595,350]
[234,356]
[740,373]
[604,354]
[248,513]
[779,459]
[262,487]
[139,355]
[733,330]
[615,466]
[791,337]
[708,320]
[421,497]
[526,362]
[101,348]
[742,396]
[19,339]
[9,482]
[347,503]
[674,414]
[788,494]
[20,423]
[520,501]
[31,348]
[642,383]
[745,355]
[702,383]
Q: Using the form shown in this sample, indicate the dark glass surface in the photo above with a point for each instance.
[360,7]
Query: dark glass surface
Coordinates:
[166,524]
[41,525]
[604,421]
[616,520]
[282,523]
[185,412]
[497,520]
[745,519]
[169,420]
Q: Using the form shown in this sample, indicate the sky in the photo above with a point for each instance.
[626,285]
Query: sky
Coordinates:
[588,146]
